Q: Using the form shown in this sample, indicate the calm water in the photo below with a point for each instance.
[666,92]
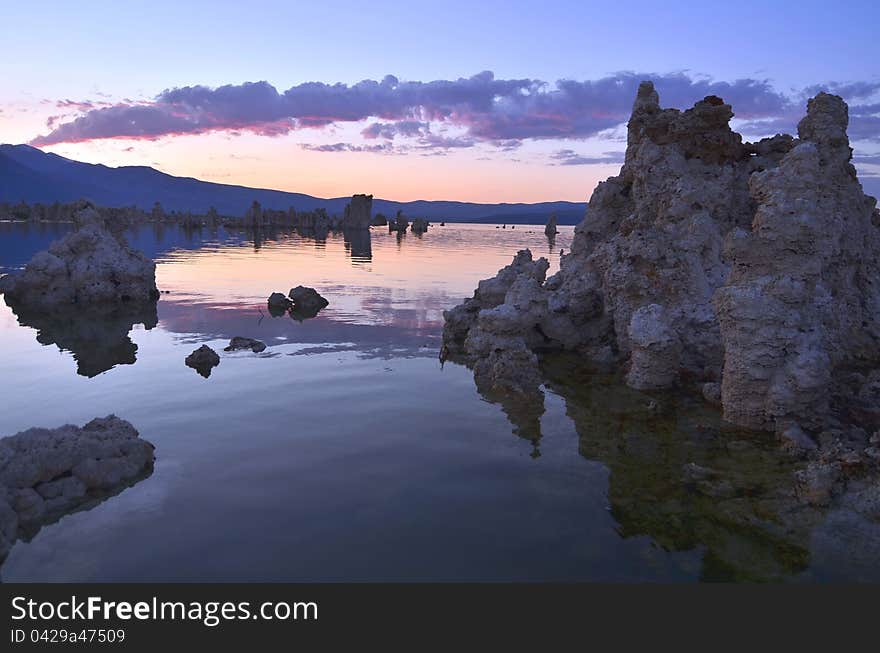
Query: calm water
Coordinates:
[346,451]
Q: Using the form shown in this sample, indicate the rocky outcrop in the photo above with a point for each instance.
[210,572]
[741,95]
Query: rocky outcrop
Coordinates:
[358,212]
[91,265]
[253,218]
[278,304]
[550,228]
[495,328]
[707,260]
[419,225]
[307,303]
[239,343]
[399,223]
[46,473]
[315,222]
[203,360]
[803,295]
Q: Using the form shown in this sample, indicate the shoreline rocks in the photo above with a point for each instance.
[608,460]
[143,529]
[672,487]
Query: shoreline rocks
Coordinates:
[746,272]
[708,260]
[91,265]
[45,473]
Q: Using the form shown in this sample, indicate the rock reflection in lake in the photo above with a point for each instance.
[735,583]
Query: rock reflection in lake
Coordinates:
[434,448]
[676,474]
[359,244]
[97,336]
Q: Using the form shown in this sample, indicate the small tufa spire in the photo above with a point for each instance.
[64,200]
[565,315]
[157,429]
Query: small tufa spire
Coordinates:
[647,98]
[825,125]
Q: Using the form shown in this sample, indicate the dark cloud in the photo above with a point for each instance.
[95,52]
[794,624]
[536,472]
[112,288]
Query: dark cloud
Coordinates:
[864,112]
[347,147]
[501,112]
[846,90]
[490,109]
[864,122]
[388,130]
[73,104]
[508,145]
[437,141]
[572,158]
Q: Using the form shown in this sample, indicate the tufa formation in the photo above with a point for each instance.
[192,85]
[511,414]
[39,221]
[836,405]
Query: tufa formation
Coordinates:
[750,269]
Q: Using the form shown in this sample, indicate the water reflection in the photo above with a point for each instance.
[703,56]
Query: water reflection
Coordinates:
[416,476]
[359,245]
[677,474]
[97,336]
[90,501]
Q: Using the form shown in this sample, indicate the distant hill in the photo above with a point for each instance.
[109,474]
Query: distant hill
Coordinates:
[31,175]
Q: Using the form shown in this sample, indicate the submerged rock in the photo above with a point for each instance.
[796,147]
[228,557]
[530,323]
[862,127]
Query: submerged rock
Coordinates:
[45,473]
[203,360]
[676,473]
[91,265]
[795,440]
[710,259]
[240,342]
[711,392]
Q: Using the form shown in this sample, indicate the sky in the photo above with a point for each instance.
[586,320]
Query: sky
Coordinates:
[476,101]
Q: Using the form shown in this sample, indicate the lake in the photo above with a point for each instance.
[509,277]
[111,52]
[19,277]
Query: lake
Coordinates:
[347,452]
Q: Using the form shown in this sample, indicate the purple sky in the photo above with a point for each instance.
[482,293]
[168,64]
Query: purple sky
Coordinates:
[501,101]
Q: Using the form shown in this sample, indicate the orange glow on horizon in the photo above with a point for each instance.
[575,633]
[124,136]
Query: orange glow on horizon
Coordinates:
[472,175]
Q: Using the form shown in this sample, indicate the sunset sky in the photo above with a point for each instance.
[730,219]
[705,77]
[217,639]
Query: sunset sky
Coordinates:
[489,101]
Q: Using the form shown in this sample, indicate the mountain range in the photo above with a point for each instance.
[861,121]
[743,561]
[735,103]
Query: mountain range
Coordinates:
[31,175]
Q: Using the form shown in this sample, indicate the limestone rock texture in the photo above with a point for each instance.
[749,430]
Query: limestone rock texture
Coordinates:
[45,473]
[707,260]
[91,265]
